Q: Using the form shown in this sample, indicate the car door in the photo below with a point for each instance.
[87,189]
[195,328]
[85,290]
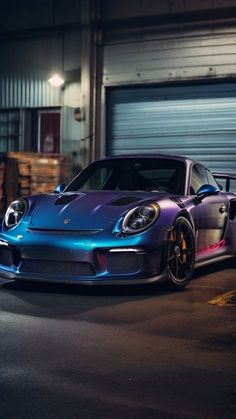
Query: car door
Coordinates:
[209,213]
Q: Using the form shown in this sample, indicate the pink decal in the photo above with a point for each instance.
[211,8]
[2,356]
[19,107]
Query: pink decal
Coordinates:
[213,247]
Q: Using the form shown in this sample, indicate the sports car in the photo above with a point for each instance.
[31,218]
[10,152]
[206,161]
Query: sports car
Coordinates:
[129,219]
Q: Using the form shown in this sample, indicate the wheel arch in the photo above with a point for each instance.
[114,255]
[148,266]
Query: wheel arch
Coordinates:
[186,215]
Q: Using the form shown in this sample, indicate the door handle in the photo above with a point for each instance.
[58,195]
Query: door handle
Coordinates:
[223,209]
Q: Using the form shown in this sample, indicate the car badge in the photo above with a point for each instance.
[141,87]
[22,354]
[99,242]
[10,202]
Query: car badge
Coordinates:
[67,221]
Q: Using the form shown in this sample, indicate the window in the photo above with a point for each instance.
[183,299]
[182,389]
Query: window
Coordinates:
[36,130]
[200,176]
[98,179]
[49,131]
[42,130]
[211,179]
[146,174]
[9,130]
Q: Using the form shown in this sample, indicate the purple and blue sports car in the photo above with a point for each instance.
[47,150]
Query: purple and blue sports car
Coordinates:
[123,220]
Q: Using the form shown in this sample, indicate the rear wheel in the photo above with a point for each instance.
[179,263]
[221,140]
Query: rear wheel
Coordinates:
[180,254]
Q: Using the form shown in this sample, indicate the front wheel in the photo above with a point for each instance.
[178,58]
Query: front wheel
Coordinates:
[180,257]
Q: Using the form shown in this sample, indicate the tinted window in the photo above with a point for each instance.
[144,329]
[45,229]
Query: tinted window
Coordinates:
[97,179]
[198,178]
[201,176]
[211,179]
[132,174]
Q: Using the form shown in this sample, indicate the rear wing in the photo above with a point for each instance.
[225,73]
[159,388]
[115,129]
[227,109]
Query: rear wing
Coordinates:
[229,181]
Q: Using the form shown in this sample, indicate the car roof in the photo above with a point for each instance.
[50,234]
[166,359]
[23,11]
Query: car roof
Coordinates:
[151,155]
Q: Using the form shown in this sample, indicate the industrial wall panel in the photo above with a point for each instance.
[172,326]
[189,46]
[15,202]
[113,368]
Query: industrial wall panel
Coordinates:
[26,65]
[134,58]
[114,10]
[198,121]
[28,14]
[27,91]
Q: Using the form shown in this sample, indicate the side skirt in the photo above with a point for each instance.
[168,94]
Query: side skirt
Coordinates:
[213,260]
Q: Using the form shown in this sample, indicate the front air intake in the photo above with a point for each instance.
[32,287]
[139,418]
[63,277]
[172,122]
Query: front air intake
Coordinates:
[56,267]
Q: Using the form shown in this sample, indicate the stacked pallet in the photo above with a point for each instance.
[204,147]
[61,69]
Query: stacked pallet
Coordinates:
[30,173]
[40,173]
[24,168]
[45,175]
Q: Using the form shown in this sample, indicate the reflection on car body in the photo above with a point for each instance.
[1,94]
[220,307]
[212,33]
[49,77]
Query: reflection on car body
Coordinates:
[123,220]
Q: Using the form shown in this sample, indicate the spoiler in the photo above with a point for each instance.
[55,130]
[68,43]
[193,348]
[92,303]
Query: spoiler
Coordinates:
[225,176]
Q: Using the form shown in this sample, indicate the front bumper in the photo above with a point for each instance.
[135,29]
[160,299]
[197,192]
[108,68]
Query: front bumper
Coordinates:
[79,259]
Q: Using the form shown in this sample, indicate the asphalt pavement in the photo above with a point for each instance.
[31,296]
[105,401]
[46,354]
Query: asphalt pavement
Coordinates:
[71,352]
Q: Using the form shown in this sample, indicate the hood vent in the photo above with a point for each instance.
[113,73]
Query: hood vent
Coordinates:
[125,200]
[66,199]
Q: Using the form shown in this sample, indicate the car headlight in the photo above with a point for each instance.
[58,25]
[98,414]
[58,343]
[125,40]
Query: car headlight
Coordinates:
[140,218]
[15,212]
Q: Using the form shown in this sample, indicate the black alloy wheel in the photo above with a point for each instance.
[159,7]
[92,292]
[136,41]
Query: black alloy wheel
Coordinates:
[180,254]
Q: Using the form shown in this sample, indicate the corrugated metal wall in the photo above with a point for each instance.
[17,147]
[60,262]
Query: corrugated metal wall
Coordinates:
[167,56]
[197,121]
[122,9]
[194,120]
[27,91]
[25,66]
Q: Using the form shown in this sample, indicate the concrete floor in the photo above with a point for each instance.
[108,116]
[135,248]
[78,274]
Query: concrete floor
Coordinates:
[77,352]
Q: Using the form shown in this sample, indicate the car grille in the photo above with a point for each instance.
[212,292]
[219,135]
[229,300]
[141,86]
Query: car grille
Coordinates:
[122,263]
[56,267]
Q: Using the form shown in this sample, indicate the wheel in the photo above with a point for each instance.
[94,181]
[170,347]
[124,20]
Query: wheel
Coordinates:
[180,258]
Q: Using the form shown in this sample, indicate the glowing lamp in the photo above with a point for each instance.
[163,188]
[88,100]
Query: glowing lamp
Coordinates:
[56,80]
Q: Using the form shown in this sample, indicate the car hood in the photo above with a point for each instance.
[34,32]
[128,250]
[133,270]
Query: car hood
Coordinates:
[85,211]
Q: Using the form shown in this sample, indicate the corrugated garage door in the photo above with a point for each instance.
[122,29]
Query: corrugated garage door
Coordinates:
[197,121]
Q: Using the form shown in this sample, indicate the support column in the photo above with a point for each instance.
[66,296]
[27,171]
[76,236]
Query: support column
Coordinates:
[91,78]
[87,81]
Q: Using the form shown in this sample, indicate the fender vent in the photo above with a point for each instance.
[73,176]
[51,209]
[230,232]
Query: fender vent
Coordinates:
[178,201]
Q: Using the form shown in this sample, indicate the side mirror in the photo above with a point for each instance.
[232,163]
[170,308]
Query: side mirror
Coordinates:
[60,188]
[207,190]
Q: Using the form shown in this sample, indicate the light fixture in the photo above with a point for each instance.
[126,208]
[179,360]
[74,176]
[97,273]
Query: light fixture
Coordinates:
[79,114]
[56,80]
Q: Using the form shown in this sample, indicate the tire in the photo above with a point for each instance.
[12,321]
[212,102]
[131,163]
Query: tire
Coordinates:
[180,255]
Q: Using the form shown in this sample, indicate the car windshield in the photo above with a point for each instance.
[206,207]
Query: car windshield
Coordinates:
[132,174]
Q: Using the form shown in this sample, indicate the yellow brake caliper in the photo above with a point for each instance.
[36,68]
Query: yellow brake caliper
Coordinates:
[183,247]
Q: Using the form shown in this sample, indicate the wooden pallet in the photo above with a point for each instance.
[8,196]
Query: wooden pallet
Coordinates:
[30,173]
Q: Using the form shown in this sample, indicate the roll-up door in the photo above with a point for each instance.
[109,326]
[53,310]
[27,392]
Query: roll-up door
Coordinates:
[197,121]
